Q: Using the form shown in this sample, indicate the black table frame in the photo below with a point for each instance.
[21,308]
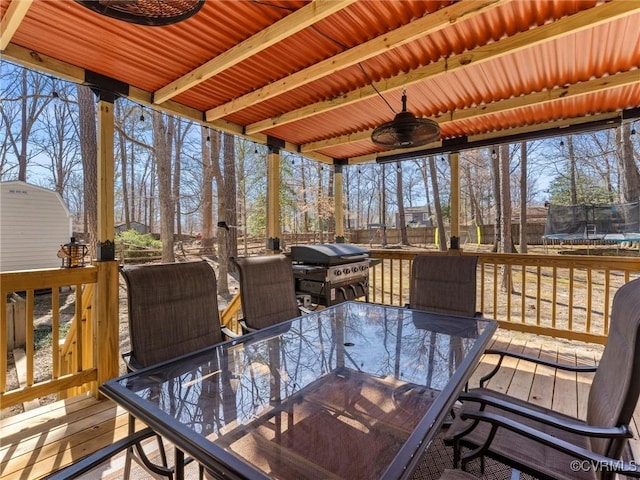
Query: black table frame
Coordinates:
[216,459]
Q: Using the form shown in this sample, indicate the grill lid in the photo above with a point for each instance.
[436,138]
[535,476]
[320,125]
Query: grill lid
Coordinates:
[328,253]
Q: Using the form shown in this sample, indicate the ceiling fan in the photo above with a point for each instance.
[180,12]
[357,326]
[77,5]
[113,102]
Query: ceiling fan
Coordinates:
[145,12]
[406,130]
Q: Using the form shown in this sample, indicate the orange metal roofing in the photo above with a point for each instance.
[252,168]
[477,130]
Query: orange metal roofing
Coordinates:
[463,64]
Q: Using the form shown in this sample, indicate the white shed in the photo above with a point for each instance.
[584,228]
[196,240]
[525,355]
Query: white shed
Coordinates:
[34,222]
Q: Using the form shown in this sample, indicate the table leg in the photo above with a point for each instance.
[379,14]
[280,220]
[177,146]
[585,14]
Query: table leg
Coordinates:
[179,463]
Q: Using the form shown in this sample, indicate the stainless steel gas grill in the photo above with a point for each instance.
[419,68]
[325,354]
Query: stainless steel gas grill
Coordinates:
[331,273]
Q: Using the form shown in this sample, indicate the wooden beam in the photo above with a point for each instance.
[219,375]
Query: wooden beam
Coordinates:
[43,63]
[497,135]
[12,19]
[501,106]
[273,199]
[561,28]
[106,309]
[291,24]
[30,59]
[454,167]
[419,28]
[338,203]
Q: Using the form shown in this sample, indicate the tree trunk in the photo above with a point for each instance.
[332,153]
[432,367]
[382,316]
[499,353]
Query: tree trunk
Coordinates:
[505,202]
[523,197]
[495,168]
[124,161]
[89,151]
[383,205]
[230,210]
[400,199]
[442,235]
[210,148]
[572,171]
[628,167]
[162,141]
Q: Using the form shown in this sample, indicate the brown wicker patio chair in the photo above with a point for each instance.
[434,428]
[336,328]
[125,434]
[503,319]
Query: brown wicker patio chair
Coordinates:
[267,290]
[173,311]
[444,284]
[550,445]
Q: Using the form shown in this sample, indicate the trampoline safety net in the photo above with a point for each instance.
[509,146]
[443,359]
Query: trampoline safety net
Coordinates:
[615,222]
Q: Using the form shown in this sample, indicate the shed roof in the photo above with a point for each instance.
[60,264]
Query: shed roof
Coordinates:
[315,76]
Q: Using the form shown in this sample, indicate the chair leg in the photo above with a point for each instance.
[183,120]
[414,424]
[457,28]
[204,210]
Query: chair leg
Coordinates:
[129,453]
[141,457]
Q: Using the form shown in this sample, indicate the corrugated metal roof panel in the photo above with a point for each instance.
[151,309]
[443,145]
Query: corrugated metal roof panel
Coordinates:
[152,57]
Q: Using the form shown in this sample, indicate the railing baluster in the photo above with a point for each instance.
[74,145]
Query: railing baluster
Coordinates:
[80,329]
[495,289]
[523,296]
[29,347]
[570,301]
[554,298]
[4,342]
[559,300]
[538,293]
[607,300]
[589,299]
[55,330]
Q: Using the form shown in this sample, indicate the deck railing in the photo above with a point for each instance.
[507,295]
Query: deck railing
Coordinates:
[72,365]
[566,296]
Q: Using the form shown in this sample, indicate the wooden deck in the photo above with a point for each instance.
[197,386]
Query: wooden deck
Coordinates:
[43,440]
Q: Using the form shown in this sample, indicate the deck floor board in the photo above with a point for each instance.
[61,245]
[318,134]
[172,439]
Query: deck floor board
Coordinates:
[37,442]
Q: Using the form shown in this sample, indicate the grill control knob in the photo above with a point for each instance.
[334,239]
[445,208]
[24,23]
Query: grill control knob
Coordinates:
[338,273]
[346,271]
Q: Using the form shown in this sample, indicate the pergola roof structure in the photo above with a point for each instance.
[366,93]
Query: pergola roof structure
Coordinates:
[316,77]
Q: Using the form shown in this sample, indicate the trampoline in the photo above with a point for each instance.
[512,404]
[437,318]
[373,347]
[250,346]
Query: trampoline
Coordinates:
[608,223]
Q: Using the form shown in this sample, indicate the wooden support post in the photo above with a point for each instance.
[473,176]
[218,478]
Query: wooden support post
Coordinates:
[106,304]
[454,163]
[338,203]
[273,201]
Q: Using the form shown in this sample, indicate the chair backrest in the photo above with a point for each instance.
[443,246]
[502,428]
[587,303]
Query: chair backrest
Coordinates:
[173,310]
[267,290]
[444,284]
[616,385]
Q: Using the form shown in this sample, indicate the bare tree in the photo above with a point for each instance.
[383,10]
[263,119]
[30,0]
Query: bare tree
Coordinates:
[628,167]
[162,141]
[442,236]
[228,244]
[495,169]
[89,152]
[523,197]
[210,153]
[28,91]
[400,199]
[572,171]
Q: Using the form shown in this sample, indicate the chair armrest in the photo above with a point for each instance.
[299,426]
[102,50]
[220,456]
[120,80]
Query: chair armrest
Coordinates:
[230,334]
[246,328]
[130,362]
[553,420]
[595,461]
[92,460]
[539,361]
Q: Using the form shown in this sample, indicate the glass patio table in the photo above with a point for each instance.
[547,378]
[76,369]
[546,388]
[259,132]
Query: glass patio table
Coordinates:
[353,391]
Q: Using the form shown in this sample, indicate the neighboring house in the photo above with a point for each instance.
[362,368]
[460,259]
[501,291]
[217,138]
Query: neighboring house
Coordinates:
[137,226]
[34,222]
[415,217]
